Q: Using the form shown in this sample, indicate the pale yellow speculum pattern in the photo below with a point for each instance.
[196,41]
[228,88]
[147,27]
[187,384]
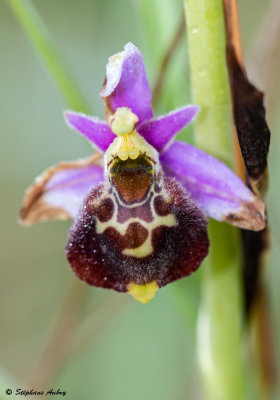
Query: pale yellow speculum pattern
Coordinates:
[143,293]
[142,251]
[146,248]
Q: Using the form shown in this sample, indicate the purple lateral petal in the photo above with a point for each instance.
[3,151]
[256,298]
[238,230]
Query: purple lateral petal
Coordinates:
[96,131]
[126,83]
[160,131]
[59,191]
[221,194]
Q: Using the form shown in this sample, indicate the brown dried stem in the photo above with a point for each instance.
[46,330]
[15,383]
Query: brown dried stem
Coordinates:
[255,244]
[234,37]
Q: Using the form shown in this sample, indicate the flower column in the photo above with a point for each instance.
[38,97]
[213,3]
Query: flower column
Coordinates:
[220,319]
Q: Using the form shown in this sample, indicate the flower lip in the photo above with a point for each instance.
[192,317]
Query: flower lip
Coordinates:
[161,240]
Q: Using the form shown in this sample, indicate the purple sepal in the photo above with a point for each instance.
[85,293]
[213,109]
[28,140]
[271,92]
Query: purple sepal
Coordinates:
[126,84]
[220,193]
[95,130]
[67,188]
[160,131]
[59,191]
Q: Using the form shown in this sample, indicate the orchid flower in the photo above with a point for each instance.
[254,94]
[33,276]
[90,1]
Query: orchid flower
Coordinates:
[140,203]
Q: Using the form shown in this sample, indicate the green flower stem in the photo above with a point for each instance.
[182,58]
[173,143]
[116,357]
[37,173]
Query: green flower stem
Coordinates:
[209,76]
[220,317]
[43,43]
[220,320]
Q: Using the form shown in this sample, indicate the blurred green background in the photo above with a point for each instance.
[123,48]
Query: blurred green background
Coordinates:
[111,347]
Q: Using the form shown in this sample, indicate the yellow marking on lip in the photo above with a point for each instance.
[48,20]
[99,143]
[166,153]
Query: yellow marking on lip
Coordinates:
[142,251]
[168,220]
[146,248]
[143,293]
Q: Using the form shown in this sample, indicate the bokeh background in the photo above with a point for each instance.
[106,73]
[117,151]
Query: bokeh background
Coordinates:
[54,331]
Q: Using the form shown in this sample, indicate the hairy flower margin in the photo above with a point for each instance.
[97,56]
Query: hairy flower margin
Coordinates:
[139,210]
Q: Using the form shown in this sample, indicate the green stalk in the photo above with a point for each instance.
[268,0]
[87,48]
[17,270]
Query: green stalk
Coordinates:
[209,77]
[43,43]
[220,320]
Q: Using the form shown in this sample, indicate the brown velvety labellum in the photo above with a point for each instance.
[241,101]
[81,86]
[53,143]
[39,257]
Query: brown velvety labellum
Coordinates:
[105,210]
[162,207]
[160,240]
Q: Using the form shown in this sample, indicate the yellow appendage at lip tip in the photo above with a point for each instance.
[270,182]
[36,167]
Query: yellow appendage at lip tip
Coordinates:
[143,293]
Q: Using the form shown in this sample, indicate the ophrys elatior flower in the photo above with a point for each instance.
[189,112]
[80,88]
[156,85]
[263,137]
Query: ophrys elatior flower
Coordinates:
[139,210]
